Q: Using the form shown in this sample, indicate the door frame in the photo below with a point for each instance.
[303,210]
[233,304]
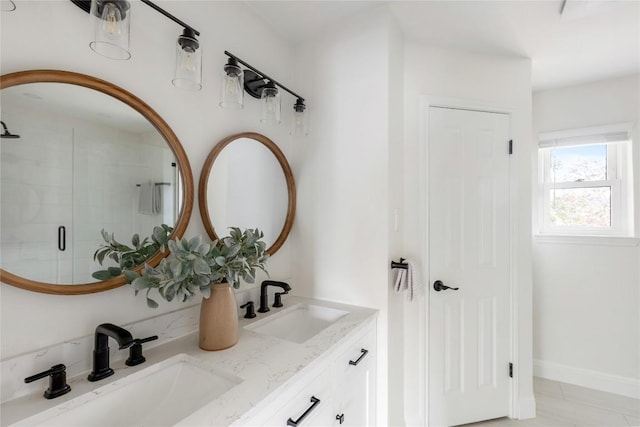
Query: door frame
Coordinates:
[427,102]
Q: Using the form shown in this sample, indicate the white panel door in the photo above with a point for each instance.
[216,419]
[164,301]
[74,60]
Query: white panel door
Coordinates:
[469,250]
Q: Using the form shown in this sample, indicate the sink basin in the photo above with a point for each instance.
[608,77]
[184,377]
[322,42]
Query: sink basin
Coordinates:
[299,323]
[160,395]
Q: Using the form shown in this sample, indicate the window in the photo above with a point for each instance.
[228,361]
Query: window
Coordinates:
[584,181]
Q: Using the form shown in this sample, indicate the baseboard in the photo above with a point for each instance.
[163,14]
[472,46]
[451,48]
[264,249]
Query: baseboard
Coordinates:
[526,408]
[624,386]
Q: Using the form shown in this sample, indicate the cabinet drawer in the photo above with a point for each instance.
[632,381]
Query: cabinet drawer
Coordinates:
[312,405]
[358,353]
[354,369]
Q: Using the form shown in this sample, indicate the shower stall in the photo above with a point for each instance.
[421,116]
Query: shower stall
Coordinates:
[66,178]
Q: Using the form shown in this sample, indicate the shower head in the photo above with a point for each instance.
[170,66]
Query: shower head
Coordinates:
[6,133]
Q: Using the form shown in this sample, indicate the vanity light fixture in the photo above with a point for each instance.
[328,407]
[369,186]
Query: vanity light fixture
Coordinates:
[270,99]
[7,5]
[110,24]
[300,125]
[260,86]
[232,85]
[111,20]
[188,74]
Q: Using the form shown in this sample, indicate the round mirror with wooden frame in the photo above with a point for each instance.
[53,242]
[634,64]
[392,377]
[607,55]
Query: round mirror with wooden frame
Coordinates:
[183,190]
[246,182]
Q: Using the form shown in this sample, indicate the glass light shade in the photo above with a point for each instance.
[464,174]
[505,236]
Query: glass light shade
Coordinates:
[270,105]
[232,94]
[110,21]
[188,74]
[300,123]
[7,5]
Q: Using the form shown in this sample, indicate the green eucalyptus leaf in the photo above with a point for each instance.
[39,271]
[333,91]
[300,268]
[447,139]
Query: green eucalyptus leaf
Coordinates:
[174,245]
[151,303]
[176,268]
[184,275]
[203,281]
[148,270]
[195,242]
[170,291]
[161,235]
[206,291]
[99,255]
[143,282]
[234,250]
[192,289]
[200,266]
[101,275]
[130,275]
[204,249]
[191,266]
[114,271]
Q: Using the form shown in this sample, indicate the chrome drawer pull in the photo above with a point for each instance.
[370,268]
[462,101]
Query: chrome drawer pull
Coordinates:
[314,402]
[362,355]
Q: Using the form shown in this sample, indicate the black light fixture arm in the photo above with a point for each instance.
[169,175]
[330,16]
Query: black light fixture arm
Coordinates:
[170,16]
[86,6]
[260,73]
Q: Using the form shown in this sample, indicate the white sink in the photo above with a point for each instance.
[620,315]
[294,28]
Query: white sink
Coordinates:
[160,395]
[299,323]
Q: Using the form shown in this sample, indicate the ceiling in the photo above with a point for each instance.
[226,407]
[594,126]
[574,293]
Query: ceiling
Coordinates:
[569,43]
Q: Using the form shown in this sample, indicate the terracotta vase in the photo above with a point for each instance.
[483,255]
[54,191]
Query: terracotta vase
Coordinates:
[219,318]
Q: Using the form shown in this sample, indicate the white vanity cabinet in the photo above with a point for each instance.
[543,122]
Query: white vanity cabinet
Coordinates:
[308,403]
[338,390]
[355,383]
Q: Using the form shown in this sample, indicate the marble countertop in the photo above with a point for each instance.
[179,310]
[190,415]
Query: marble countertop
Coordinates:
[264,363]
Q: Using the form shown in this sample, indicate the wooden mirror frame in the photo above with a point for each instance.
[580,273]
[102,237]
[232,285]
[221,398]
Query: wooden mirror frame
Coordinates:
[56,76]
[288,175]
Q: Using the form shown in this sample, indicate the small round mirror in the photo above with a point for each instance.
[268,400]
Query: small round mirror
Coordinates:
[246,182]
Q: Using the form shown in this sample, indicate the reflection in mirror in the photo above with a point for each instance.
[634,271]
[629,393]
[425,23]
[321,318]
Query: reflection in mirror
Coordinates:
[85,161]
[247,189]
[247,182]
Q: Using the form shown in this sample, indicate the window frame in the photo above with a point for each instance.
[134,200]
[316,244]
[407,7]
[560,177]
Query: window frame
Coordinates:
[617,139]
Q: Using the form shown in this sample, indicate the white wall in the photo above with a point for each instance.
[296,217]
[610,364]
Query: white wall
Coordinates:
[587,292]
[54,35]
[361,159]
[396,236]
[485,81]
[341,234]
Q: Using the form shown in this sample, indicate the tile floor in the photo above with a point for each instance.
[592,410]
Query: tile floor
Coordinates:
[560,404]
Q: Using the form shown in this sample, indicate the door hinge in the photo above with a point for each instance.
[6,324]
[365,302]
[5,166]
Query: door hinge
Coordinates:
[510,370]
[511,146]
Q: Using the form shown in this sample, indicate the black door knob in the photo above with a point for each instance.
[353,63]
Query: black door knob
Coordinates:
[439,286]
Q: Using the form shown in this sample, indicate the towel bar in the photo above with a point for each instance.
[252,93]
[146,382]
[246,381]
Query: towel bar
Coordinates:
[157,183]
[400,264]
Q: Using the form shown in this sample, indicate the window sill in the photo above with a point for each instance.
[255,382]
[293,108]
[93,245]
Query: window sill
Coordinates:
[587,240]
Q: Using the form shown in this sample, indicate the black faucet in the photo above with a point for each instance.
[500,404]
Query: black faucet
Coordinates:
[264,304]
[101,367]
